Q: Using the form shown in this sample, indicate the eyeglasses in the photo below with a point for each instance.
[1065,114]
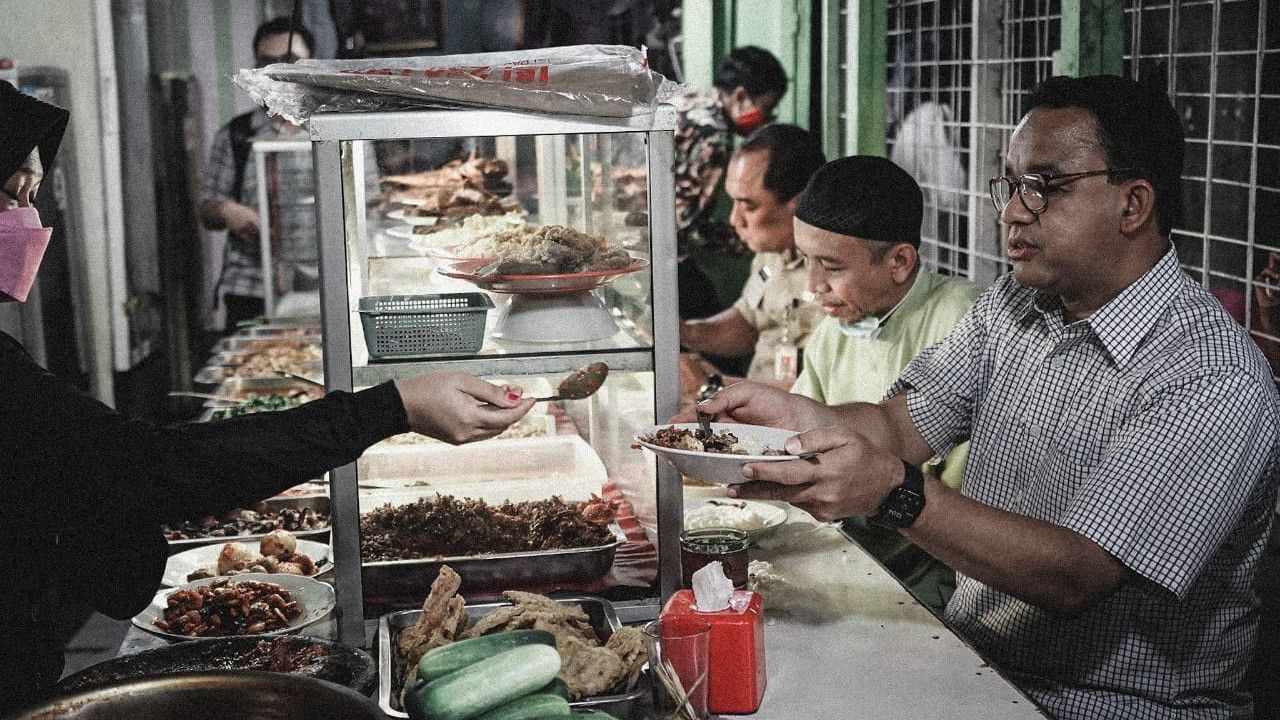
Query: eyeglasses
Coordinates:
[1034,190]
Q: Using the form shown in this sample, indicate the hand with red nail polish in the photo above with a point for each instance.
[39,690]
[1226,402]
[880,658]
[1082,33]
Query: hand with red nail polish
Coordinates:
[459,408]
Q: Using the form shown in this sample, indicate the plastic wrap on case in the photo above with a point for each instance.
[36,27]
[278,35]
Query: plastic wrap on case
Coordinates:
[599,80]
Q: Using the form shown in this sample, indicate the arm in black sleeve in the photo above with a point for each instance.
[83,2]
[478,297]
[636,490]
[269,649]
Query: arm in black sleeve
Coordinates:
[83,459]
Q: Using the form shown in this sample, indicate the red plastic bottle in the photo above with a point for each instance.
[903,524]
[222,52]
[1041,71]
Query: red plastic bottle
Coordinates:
[736,677]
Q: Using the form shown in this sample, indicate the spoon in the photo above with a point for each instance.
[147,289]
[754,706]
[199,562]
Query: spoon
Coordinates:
[704,419]
[581,384]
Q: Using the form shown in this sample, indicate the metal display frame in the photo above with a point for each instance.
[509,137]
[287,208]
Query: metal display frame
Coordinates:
[328,133]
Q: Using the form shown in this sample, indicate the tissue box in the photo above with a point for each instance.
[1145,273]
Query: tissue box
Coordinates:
[736,677]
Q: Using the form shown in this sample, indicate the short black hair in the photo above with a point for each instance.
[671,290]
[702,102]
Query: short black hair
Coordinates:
[1138,128]
[755,69]
[794,155]
[281,26]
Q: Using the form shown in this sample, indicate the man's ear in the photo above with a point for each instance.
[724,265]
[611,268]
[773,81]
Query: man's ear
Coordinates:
[902,259]
[1139,205]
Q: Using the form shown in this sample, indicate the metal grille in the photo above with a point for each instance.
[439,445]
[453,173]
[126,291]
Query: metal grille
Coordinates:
[1220,62]
[959,71]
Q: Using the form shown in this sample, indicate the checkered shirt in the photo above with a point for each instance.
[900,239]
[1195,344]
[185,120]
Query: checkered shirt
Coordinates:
[241,258]
[1149,428]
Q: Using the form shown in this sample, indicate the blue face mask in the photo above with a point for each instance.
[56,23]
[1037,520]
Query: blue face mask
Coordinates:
[868,328]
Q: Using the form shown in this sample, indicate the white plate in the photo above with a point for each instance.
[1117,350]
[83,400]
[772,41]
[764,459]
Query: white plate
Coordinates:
[316,598]
[750,515]
[721,468]
[398,214]
[182,564]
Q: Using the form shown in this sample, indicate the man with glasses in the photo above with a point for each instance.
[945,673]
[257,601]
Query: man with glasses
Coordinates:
[229,195]
[1122,476]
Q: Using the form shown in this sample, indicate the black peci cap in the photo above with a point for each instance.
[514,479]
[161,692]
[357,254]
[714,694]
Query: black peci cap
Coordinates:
[866,197]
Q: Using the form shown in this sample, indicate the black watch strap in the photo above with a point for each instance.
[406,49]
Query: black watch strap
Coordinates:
[904,503]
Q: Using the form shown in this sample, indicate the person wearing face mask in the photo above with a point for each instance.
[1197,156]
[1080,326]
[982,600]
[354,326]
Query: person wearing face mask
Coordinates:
[749,82]
[771,321]
[857,225]
[84,491]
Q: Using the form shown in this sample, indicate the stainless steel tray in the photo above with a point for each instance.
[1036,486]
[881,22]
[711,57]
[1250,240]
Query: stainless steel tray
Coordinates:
[236,343]
[628,705]
[319,503]
[392,582]
[214,374]
[238,387]
[241,356]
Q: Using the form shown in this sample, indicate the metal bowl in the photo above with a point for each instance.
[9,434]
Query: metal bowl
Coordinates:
[212,696]
[347,666]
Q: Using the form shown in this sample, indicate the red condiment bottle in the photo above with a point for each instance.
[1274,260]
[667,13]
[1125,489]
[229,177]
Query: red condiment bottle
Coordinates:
[736,677]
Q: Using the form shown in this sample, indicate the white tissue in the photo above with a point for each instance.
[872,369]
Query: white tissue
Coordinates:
[711,588]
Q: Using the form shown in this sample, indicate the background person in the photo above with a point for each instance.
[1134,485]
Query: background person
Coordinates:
[774,313]
[858,229]
[1125,442]
[84,490]
[229,195]
[749,82]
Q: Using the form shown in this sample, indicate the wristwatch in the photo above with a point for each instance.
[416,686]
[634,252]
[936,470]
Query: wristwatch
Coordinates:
[904,503]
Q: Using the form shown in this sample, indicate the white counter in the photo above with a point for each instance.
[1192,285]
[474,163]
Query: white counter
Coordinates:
[856,644]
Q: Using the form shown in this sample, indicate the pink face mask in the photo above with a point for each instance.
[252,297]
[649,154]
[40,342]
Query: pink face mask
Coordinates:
[22,245]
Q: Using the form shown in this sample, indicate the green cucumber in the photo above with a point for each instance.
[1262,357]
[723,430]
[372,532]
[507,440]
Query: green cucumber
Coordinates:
[530,707]
[557,687]
[447,658]
[599,714]
[489,683]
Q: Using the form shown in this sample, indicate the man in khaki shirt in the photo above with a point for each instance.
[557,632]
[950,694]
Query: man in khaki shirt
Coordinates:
[773,317]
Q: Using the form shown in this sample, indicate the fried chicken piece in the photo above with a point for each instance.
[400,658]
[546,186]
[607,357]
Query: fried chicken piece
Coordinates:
[588,670]
[630,646]
[414,641]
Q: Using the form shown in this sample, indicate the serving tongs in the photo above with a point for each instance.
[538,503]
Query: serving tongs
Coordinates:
[300,378]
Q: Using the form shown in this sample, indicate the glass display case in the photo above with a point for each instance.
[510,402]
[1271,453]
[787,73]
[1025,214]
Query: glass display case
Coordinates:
[518,248]
[286,209]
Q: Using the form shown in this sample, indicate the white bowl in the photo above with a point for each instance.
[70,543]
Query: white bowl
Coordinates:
[721,468]
[752,516]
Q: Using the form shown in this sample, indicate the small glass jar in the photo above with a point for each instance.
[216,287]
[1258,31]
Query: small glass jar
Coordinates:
[699,547]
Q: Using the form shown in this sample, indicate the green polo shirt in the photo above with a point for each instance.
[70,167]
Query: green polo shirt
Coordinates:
[839,369]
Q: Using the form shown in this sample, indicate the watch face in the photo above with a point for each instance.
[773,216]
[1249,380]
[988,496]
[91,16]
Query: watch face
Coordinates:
[900,509]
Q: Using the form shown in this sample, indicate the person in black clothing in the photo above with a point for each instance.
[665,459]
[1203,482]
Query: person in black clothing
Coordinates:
[84,490]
